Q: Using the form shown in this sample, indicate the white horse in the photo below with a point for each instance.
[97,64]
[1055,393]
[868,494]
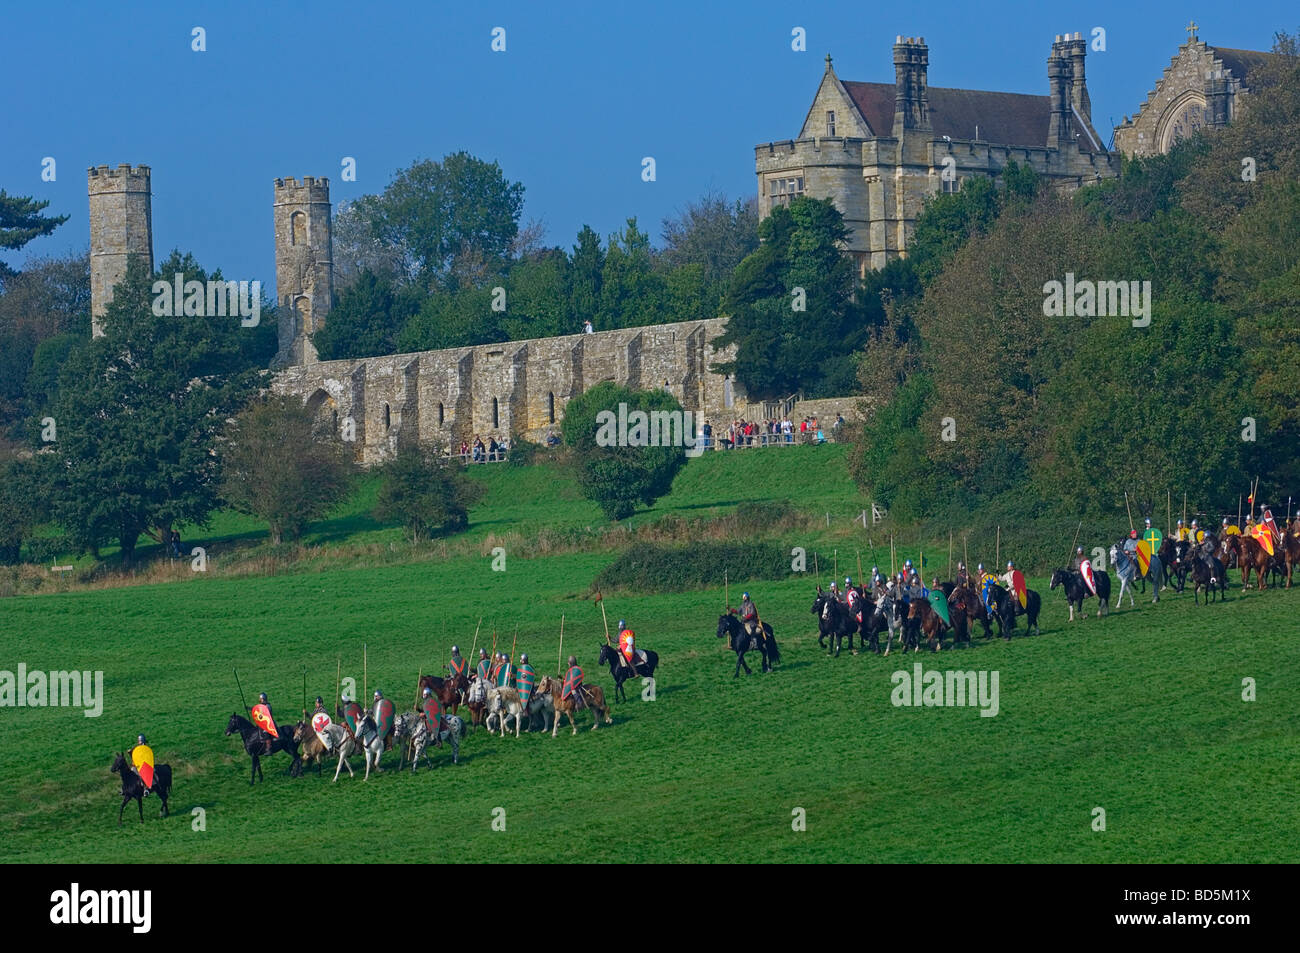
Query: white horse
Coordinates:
[367,741]
[542,703]
[504,703]
[411,723]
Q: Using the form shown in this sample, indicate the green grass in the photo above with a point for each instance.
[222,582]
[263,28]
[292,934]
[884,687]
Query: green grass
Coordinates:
[1140,714]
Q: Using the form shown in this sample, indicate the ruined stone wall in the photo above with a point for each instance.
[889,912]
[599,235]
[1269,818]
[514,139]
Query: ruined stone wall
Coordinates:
[519,388]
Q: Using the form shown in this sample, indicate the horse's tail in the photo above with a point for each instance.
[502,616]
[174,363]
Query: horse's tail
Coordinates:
[163,782]
[773,652]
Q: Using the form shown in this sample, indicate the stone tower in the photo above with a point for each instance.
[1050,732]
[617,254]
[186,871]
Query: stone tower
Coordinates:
[304,265]
[121,225]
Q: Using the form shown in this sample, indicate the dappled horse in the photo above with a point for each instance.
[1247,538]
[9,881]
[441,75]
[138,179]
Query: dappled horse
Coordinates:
[133,786]
[880,615]
[739,641]
[1129,573]
[259,747]
[1076,590]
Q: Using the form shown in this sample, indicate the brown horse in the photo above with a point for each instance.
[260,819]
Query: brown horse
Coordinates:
[595,696]
[310,748]
[965,602]
[449,691]
[931,624]
[1251,557]
[1290,549]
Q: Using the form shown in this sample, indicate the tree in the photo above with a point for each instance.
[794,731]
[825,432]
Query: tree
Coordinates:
[20,507]
[367,319]
[444,216]
[537,297]
[793,317]
[632,292]
[425,492]
[357,248]
[715,235]
[279,468]
[586,266]
[138,412]
[20,222]
[615,477]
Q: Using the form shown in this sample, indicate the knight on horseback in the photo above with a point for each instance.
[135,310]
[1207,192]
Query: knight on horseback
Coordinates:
[458,666]
[431,711]
[505,673]
[525,680]
[854,599]
[573,685]
[986,583]
[627,641]
[262,732]
[963,577]
[130,757]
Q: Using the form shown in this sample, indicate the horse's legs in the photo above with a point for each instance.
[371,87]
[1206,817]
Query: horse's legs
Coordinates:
[139,803]
[252,774]
[126,799]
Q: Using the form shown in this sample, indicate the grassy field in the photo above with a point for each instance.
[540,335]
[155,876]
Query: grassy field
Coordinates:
[1140,714]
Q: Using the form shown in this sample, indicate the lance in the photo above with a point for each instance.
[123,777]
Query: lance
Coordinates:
[1184,508]
[1129,511]
[997,552]
[475,643]
[817,569]
[1075,543]
[494,649]
[604,618]
[726,588]
[859,552]
[1169,513]
[950,553]
[965,552]
[835,573]
[338,678]
[418,678]
[304,689]
[892,564]
[1238,510]
[365,671]
[241,693]
[514,643]
[559,659]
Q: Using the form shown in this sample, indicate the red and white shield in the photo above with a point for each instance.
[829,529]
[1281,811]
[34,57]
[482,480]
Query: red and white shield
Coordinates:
[319,722]
[1085,570]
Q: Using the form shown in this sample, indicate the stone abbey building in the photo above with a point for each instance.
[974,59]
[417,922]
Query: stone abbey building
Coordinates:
[881,149]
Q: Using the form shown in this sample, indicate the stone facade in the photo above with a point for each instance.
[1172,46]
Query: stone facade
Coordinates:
[304,264]
[440,398]
[121,225]
[1202,88]
[879,150]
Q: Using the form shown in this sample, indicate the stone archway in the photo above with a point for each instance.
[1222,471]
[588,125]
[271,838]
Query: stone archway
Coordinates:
[324,410]
[1182,118]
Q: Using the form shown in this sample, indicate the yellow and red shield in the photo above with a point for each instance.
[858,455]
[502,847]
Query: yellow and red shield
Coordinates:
[262,718]
[1262,536]
[1233,530]
[1021,590]
[142,758]
[1144,556]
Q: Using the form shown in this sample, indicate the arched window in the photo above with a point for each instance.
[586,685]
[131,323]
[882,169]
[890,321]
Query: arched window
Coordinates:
[388,418]
[442,415]
[298,229]
[496,413]
[550,407]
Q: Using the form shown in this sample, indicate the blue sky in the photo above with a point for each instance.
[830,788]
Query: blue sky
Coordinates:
[581,94]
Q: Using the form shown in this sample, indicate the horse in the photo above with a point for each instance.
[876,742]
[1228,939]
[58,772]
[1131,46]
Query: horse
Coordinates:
[259,747]
[595,696]
[310,748]
[834,619]
[740,642]
[1127,569]
[927,621]
[880,615]
[972,607]
[1207,572]
[1251,557]
[370,740]
[1033,606]
[1173,554]
[1076,590]
[450,692]
[476,699]
[1290,550]
[133,786]
[504,703]
[412,724]
[542,703]
[646,663]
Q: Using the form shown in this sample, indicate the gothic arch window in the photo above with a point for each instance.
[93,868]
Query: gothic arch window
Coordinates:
[298,229]
[496,413]
[830,122]
[550,407]
[1183,118]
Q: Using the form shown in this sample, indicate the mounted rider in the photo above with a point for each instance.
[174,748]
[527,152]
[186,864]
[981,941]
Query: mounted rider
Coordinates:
[963,577]
[457,666]
[131,760]
[505,673]
[855,600]
[1266,519]
[1079,559]
[986,581]
[1131,544]
[627,641]
[525,679]
[351,712]
[573,685]
[1181,533]
[431,712]
[266,737]
[484,666]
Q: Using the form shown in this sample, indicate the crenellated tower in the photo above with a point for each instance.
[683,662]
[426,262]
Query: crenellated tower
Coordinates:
[121,225]
[304,265]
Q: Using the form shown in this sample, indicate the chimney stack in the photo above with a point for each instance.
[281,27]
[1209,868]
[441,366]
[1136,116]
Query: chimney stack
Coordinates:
[911,96]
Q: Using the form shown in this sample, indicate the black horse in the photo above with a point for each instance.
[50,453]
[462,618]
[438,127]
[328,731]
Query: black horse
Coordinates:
[1006,607]
[133,786]
[259,747]
[1174,555]
[741,642]
[619,672]
[835,620]
[1207,573]
[1076,590]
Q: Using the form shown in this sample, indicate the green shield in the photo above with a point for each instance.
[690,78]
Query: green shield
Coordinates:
[940,603]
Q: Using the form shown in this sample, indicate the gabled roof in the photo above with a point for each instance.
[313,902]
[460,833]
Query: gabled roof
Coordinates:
[1008,119]
[1241,62]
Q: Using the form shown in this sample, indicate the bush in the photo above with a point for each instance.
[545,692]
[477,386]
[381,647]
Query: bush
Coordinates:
[523,453]
[425,492]
[649,567]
